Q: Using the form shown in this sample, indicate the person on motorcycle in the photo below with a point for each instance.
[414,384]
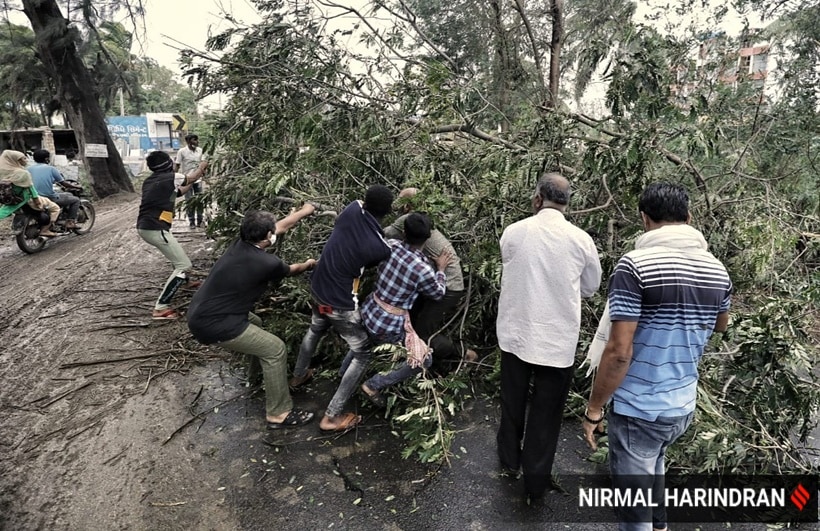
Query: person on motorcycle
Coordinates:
[13,170]
[159,193]
[45,177]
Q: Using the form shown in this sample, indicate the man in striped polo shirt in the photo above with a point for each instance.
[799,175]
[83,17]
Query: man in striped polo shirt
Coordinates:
[666,298]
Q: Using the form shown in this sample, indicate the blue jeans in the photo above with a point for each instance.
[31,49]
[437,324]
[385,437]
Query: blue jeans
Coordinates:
[636,461]
[348,324]
[401,372]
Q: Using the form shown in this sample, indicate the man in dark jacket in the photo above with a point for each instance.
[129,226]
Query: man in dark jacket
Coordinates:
[159,193]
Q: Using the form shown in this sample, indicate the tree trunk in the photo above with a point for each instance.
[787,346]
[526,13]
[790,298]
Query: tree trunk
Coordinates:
[56,46]
[502,64]
[557,8]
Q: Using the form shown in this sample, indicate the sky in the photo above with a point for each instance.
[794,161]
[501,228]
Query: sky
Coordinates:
[174,24]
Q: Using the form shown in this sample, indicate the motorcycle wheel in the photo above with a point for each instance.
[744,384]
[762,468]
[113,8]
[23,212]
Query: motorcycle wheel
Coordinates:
[29,240]
[85,217]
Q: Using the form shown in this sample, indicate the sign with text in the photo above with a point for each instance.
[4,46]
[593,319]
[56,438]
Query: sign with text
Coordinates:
[676,498]
[96,150]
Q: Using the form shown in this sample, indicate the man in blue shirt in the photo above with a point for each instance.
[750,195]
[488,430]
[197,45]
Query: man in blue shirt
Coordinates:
[45,177]
[356,243]
[665,299]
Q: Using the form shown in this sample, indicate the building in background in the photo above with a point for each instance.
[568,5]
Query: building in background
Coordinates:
[137,135]
[747,61]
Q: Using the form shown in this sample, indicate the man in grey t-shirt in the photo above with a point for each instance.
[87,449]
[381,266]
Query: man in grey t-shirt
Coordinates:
[427,315]
[190,162]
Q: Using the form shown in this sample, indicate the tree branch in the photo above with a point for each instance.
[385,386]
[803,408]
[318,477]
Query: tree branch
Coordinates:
[519,6]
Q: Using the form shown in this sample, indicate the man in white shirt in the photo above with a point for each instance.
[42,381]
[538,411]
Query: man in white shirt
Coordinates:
[188,161]
[548,265]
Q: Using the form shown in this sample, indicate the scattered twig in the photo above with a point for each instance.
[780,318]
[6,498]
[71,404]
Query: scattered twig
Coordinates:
[61,396]
[168,504]
[148,381]
[73,435]
[193,403]
[188,423]
[117,455]
[116,360]
[123,325]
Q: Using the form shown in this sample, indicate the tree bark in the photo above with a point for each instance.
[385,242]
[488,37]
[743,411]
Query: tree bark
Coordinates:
[557,8]
[56,46]
[501,72]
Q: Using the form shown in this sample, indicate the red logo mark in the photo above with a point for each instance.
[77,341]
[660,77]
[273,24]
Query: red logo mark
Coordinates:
[800,496]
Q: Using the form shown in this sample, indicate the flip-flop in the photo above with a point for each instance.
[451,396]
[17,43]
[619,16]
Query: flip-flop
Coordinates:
[350,421]
[376,397]
[296,417]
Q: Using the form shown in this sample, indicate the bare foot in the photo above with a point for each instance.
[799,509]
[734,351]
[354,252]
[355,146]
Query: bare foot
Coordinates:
[470,355]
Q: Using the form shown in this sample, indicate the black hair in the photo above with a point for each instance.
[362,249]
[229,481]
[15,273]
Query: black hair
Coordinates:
[41,155]
[665,202]
[70,154]
[417,227]
[256,225]
[378,200]
[190,137]
[159,161]
[551,189]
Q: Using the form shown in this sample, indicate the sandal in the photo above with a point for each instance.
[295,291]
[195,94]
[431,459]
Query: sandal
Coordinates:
[349,421]
[298,381]
[165,315]
[192,284]
[296,417]
[375,397]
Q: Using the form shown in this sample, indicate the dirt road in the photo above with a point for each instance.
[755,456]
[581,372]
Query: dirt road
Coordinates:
[112,421]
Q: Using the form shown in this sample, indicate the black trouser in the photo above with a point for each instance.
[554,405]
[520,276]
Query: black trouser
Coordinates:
[68,202]
[195,214]
[428,316]
[542,425]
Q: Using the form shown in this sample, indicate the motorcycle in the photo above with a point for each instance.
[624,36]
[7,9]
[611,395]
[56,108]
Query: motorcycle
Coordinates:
[28,223]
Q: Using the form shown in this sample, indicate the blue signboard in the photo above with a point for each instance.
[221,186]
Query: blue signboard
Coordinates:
[130,128]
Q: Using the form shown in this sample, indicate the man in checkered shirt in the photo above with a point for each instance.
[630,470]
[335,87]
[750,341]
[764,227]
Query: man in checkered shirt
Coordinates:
[401,279]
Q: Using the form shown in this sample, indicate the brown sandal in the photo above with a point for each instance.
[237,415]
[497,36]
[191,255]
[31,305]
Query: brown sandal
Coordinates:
[298,381]
[349,421]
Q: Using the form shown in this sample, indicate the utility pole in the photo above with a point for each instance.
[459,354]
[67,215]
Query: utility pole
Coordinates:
[122,103]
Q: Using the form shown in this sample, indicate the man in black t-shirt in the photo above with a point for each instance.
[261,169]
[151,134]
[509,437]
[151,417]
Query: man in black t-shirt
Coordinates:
[159,193]
[221,311]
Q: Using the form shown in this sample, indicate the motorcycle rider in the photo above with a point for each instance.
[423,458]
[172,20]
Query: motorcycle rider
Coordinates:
[13,170]
[45,177]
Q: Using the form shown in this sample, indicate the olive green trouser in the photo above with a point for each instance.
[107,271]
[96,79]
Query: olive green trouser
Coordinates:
[265,349]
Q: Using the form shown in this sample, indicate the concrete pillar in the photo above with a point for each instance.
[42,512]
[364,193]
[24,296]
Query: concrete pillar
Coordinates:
[48,141]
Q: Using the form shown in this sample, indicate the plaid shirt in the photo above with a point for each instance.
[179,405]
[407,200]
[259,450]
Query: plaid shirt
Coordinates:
[402,277]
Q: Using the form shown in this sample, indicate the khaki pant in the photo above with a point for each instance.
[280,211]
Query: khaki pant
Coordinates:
[46,205]
[173,251]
